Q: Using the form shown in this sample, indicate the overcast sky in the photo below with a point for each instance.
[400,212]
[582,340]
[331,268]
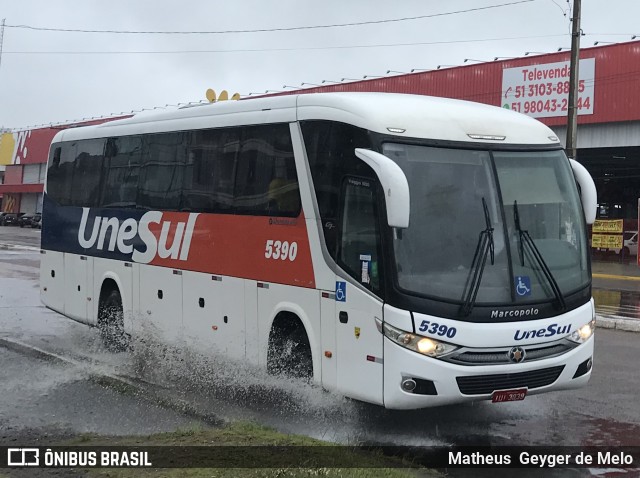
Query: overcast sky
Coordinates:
[72,77]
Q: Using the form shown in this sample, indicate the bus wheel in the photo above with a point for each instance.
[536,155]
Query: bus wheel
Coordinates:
[289,352]
[111,322]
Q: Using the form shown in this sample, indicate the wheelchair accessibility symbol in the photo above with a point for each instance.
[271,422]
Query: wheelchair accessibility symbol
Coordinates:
[341,291]
[523,285]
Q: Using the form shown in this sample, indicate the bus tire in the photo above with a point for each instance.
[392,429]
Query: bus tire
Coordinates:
[111,322]
[289,351]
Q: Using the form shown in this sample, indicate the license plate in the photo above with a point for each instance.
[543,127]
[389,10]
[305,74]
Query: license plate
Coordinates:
[508,395]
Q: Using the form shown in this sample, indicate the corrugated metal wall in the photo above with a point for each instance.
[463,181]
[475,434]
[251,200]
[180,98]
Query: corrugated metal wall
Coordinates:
[31,174]
[29,203]
[616,95]
[609,135]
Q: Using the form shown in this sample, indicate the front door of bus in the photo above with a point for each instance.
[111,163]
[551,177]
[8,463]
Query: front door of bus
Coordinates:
[359,343]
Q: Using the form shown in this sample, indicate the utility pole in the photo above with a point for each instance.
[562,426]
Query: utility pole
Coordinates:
[1,38]
[572,118]
[1,41]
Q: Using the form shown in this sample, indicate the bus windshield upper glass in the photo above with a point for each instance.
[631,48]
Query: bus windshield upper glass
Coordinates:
[506,225]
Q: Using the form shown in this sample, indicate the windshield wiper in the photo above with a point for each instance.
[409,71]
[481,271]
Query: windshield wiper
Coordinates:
[485,246]
[526,241]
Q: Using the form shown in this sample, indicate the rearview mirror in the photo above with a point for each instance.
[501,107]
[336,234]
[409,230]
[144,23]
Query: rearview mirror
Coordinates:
[394,184]
[588,191]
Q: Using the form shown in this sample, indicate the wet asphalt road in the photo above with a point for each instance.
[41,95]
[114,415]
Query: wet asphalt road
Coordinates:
[43,398]
[63,398]
[20,236]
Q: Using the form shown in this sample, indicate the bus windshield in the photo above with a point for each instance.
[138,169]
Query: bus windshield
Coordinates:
[524,204]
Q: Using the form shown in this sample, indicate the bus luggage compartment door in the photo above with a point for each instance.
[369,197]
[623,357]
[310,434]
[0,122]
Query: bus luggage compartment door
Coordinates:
[214,314]
[52,280]
[160,304]
[78,282]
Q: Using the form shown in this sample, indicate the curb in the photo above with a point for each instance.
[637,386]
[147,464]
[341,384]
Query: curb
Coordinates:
[598,275]
[20,247]
[618,323]
[143,390]
[34,352]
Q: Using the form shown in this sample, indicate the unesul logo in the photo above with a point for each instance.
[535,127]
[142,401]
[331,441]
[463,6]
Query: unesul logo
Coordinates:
[121,235]
[550,331]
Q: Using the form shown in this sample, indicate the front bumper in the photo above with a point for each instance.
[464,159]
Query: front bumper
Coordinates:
[453,383]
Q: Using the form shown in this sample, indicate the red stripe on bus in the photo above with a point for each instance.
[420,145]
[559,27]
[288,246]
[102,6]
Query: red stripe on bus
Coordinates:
[250,247]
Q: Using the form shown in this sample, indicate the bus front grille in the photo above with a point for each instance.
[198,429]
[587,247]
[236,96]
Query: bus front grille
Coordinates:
[500,356]
[486,384]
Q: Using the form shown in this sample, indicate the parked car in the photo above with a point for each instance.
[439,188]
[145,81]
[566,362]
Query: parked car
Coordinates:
[630,244]
[37,220]
[30,220]
[11,218]
[25,220]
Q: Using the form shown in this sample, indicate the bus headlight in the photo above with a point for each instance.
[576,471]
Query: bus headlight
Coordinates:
[417,343]
[584,332]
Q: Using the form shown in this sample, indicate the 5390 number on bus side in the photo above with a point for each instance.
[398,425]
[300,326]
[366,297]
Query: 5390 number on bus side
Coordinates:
[281,250]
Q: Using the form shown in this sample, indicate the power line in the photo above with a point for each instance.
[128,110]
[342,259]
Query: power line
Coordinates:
[249,50]
[266,30]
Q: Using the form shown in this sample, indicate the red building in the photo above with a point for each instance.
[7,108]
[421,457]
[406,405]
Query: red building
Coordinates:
[609,107]
[23,158]
[608,131]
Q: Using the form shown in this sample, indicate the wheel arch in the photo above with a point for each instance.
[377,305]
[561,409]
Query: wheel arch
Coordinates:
[108,285]
[287,312]
[111,281]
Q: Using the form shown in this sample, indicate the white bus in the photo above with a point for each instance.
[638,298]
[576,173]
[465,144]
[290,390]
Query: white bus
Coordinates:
[402,250]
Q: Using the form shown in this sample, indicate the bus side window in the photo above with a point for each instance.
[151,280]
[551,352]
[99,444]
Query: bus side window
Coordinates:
[89,156]
[330,151]
[56,176]
[161,172]
[122,164]
[210,171]
[266,177]
[359,241]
